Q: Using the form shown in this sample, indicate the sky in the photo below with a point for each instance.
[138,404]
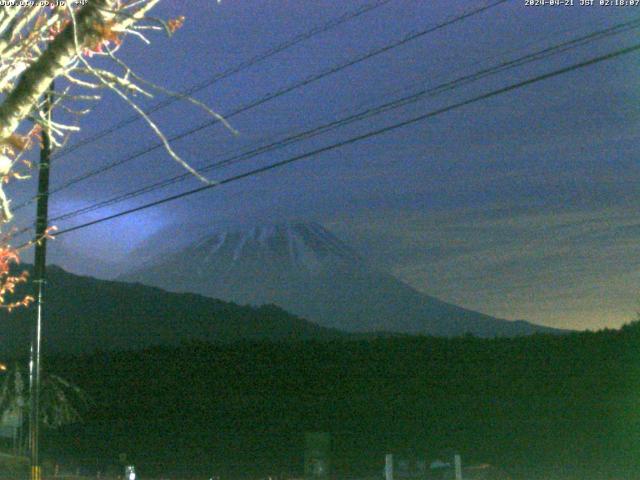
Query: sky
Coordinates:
[522,206]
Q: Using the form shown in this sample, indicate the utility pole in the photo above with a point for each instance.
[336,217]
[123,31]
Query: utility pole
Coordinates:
[39,279]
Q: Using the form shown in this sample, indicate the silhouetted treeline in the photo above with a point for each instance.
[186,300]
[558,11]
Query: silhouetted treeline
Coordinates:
[538,407]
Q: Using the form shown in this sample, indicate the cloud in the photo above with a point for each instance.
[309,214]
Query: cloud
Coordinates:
[565,268]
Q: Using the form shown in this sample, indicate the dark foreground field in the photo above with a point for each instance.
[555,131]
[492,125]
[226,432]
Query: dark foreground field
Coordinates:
[537,407]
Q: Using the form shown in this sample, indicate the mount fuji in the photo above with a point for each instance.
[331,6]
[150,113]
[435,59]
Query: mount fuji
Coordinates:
[306,270]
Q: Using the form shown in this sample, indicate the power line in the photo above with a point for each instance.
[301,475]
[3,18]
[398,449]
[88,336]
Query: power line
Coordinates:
[364,136]
[277,94]
[425,93]
[534,56]
[227,73]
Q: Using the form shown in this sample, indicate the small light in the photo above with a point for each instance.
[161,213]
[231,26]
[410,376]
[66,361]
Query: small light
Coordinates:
[130,472]
[3,367]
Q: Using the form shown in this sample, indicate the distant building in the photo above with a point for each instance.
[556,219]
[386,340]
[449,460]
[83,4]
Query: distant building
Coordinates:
[12,416]
[10,422]
[410,468]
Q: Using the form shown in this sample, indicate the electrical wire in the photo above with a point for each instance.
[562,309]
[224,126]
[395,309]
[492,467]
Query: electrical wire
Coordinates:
[358,138]
[420,95]
[225,74]
[269,97]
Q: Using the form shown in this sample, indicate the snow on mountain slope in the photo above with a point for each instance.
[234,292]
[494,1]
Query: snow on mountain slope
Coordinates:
[305,269]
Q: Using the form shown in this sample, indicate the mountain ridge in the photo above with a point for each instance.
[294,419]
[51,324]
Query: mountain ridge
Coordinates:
[85,314]
[306,270]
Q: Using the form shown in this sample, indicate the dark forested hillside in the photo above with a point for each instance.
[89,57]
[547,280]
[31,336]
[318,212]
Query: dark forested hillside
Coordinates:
[565,406]
[84,314]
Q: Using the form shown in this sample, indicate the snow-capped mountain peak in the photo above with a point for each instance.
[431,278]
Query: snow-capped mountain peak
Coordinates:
[305,269]
[305,245]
